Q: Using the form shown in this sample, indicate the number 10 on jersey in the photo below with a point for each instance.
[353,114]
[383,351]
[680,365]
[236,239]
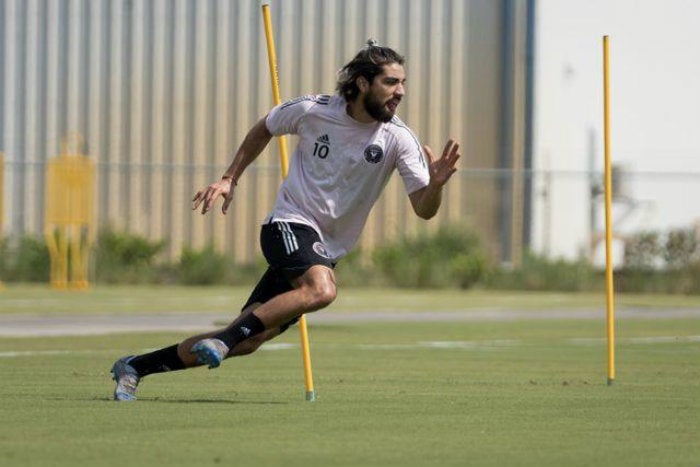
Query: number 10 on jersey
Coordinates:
[321,150]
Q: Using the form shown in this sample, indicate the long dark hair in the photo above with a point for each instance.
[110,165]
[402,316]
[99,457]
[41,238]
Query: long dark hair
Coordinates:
[368,63]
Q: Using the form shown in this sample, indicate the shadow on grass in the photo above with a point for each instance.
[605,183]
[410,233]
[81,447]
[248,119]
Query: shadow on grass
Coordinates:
[212,401]
[173,401]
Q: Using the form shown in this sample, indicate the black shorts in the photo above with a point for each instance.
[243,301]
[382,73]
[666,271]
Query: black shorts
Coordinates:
[290,250]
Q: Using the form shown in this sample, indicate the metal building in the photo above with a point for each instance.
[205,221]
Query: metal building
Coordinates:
[163,91]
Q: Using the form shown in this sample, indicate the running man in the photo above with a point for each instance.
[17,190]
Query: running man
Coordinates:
[349,145]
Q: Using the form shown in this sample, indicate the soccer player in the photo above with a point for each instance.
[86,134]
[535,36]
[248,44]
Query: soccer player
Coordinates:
[349,145]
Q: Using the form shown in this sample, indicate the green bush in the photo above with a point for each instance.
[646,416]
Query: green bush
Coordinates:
[204,267]
[687,280]
[121,257]
[452,257]
[247,274]
[656,266]
[677,281]
[355,271]
[681,248]
[4,258]
[642,250]
[27,261]
[540,273]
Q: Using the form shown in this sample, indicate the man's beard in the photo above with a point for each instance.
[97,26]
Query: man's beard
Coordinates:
[376,109]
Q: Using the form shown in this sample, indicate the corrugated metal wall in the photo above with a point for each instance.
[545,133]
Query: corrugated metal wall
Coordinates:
[163,91]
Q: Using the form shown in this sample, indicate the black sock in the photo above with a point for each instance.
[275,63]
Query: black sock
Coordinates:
[159,361]
[248,327]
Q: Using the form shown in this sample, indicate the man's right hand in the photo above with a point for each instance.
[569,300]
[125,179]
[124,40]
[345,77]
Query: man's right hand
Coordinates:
[206,197]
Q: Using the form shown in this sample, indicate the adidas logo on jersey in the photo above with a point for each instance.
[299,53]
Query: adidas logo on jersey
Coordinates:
[323,139]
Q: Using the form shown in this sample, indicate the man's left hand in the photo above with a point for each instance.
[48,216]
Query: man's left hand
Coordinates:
[442,169]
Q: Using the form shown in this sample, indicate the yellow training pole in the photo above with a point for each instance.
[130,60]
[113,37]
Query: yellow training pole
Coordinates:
[272,59]
[608,215]
[284,160]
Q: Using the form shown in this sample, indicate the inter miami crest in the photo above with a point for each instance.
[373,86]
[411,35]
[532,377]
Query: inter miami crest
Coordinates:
[374,153]
[320,249]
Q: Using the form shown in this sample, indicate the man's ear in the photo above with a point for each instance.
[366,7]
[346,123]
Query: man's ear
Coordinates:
[362,83]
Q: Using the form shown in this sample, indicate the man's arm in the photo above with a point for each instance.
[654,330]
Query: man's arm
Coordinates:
[253,144]
[427,200]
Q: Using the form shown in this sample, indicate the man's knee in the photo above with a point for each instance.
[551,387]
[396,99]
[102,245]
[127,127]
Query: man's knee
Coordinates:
[318,286]
[327,293]
[320,295]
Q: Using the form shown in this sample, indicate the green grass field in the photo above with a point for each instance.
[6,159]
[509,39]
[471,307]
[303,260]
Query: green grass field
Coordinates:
[497,393]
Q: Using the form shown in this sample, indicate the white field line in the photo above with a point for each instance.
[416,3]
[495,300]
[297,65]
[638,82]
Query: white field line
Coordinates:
[636,340]
[465,345]
[439,345]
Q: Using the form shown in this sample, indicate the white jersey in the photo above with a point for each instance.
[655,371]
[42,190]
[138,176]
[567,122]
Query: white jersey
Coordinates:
[340,167]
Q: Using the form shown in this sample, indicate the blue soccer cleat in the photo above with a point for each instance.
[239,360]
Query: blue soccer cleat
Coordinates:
[127,379]
[210,352]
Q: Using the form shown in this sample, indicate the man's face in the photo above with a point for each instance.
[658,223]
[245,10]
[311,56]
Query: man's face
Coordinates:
[385,93]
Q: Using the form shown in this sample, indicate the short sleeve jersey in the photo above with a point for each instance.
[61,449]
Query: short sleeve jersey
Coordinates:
[340,167]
